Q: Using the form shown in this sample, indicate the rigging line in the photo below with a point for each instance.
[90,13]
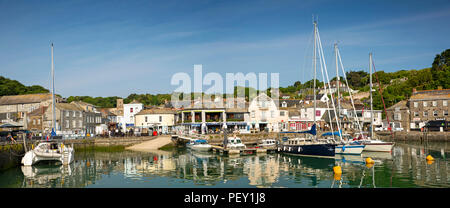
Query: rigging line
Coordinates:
[325,94]
[381,95]
[349,90]
[332,101]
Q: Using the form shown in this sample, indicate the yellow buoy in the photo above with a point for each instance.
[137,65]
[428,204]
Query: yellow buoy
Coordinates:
[369,165]
[337,170]
[430,158]
[337,177]
[369,161]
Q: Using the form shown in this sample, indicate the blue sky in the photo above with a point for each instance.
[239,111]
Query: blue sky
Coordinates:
[115,48]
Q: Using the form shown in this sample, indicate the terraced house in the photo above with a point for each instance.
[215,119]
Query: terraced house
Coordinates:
[428,105]
[15,107]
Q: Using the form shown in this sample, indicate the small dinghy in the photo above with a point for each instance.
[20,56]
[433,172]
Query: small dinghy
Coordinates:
[52,151]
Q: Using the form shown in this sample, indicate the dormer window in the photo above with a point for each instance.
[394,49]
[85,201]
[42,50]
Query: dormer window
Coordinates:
[284,104]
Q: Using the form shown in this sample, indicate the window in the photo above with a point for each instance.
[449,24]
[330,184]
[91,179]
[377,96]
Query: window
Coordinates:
[416,114]
[131,110]
[146,119]
[445,113]
[425,113]
[67,113]
[435,113]
[160,118]
[272,114]
[80,123]
[284,104]
[444,103]
[39,121]
[67,123]
[34,121]
[252,114]
[425,104]
[397,116]
[397,109]
[434,103]
[281,113]
[74,124]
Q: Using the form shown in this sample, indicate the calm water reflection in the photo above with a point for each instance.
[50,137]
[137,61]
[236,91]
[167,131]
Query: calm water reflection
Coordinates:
[404,167]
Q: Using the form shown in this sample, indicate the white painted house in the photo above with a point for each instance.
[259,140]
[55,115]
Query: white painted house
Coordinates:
[129,111]
[264,113]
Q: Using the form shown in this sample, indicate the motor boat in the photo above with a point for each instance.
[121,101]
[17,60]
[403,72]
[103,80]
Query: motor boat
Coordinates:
[199,145]
[268,143]
[49,151]
[234,143]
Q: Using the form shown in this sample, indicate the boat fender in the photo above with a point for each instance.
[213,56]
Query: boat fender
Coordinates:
[369,161]
[337,170]
[430,158]
[32,146]
[343,148]
[369,165]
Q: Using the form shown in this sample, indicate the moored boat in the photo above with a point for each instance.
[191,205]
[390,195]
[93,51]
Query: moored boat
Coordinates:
[50,151]
[199,145]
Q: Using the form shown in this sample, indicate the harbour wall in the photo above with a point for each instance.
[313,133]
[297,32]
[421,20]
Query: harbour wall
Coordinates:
[415,136]
[11,154]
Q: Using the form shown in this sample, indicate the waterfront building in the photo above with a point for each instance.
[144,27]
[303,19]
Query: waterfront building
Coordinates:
[399,116]
[428,105]
[36,120]
[265,114]
[210,116]
[15,107]
[69,120]
[91,116]
[159,119]
[129,111]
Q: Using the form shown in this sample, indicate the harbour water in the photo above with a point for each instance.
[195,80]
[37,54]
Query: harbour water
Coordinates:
[405,167]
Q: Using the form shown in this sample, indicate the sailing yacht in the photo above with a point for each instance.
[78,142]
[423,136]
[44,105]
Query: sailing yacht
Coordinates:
[50,150]
[371,143]
[308,144]
[346,147]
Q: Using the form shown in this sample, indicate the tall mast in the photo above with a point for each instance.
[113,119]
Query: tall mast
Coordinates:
[371,103]
[338,82]
[53,94]
[314,61]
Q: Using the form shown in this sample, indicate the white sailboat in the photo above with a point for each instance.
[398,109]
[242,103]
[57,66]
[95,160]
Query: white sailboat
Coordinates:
[308,144]
[344,146]
[371,143]
[50,150]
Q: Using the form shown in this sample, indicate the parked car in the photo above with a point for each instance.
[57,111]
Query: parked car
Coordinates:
[379,128]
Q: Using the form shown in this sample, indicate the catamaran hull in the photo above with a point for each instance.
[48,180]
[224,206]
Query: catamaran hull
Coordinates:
[379,147]
[326,150]
[349,149]
[32,157]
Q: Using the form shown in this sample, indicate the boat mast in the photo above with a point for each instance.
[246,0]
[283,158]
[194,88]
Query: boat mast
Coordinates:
[314,62]
[53,94]
[371,101]
[338,82]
